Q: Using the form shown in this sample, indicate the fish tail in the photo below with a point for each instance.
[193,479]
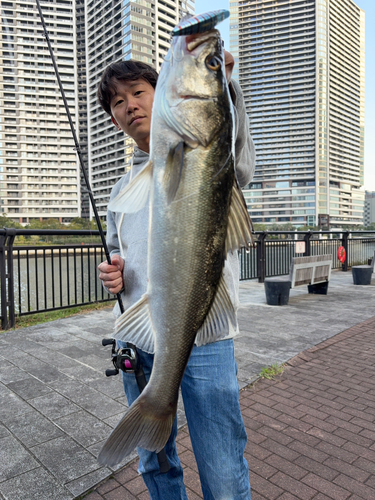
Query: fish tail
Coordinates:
[136,428]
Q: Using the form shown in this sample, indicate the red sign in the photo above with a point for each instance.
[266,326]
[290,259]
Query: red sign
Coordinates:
[341,254]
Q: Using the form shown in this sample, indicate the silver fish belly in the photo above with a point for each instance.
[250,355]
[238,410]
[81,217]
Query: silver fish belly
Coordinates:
[197,215]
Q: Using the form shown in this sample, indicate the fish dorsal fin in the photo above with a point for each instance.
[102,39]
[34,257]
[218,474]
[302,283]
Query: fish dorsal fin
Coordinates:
[239,233]
[135,195]
[173,171]
[135,326]
[221,313]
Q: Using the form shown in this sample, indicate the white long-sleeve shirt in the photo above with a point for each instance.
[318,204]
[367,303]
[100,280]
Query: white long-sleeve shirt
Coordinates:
[133,228]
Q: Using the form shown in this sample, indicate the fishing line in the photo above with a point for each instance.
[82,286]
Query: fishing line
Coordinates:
[77,147]
[122,215]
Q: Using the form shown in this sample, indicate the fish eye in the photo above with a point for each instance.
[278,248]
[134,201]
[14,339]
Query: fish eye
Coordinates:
[213,62]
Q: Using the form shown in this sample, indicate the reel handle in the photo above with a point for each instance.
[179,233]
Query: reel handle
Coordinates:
[108,342]
[110,373]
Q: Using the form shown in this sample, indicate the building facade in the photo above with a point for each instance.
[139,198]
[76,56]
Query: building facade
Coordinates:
[116,31]
[369,211]
[39,175]
[301,67]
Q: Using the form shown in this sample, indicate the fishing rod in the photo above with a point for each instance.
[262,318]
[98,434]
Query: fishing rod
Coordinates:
[125,359]
[77,148]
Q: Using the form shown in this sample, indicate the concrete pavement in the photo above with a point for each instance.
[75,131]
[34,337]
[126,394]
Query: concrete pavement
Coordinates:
[57,407]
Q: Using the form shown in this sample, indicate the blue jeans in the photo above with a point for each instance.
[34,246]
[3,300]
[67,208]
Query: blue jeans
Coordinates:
[211,400]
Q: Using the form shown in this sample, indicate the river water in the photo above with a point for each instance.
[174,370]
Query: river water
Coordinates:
[67,278]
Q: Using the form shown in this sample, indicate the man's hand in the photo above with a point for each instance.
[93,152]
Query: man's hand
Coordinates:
[229,64]
[111,274]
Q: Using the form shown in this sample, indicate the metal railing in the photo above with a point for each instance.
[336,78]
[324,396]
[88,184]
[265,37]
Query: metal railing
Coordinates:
[55,276]
[49,277]
[273,251]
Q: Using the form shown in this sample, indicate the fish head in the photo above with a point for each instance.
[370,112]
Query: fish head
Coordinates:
[192,96]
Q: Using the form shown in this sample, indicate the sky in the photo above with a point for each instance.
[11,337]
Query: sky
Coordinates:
[369,7]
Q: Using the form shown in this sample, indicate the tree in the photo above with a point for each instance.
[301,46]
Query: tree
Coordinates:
[5,222]
[45,224]
[83,224]
[260,227]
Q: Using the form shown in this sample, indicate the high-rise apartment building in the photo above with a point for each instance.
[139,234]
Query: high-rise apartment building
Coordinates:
[301,67]
[82,100]
[369,211]
[116,31]
[233,38]
[39,176]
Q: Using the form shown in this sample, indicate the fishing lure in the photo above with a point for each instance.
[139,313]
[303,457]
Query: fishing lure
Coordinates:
[200,23]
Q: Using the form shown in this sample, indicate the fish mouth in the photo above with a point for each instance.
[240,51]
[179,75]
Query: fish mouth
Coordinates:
[193,41]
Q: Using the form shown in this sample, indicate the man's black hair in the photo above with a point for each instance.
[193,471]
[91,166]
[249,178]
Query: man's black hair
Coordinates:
[123,70]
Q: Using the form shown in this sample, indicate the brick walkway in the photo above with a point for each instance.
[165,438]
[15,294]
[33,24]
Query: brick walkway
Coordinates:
[311,432]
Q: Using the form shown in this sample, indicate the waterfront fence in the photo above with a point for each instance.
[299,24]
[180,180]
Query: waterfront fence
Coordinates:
[50,277]
[273,251]
[36,278]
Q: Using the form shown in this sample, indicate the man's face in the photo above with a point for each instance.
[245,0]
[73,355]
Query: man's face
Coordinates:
[131,108]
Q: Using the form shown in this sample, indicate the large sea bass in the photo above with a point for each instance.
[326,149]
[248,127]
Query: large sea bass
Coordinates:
[197,215]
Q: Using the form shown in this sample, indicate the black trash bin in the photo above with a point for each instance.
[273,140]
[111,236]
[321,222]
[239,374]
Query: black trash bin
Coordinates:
[362,275]
[277,291]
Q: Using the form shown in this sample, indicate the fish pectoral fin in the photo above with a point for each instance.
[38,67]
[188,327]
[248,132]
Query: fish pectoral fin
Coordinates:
[173,171]
[135,195]
[221,313]
[135,325]
[240,227]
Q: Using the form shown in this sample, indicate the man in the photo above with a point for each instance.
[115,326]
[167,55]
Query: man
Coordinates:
[209,386]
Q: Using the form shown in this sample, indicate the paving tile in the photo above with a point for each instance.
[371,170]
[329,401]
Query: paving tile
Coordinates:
[32,428]
[44,371]
[363,491]
[14,458]
[136,485]
[297,488]
[303,437]
[263,468]
[10,405]
[336,452]
[37,484]
[82,373]
[280,437]
[3,431]
[317,468]
[84,428]
[54,405]
[309,451]
[347,469]
[70,463]
[79,486]
[89,399]
[94,495]
[29,388]
[119,493]
[12,374]
[111,484]
[289,468]
[326,487]
[264,487]
[191,480]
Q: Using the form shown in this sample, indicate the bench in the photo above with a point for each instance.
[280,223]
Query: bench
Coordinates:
[362,274]
[314,271]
